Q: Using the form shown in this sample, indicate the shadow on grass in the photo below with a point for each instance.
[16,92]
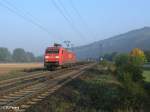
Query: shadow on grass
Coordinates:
[96,95]
[97,71]
[147,88]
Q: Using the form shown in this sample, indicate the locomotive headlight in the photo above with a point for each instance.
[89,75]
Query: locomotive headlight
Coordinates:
[46,57]
[56,56]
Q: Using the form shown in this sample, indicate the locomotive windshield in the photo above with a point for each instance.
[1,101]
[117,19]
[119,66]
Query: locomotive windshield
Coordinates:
[54,51]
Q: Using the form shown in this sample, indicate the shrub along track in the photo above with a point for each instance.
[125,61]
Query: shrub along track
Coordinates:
[36,87]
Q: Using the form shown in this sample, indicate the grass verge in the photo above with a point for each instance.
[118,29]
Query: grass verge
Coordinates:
[146,74]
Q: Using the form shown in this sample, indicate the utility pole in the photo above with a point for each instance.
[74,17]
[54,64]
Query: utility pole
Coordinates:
[101,52]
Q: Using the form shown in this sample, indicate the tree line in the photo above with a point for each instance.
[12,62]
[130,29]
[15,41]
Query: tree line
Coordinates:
[18,55]
[111,56]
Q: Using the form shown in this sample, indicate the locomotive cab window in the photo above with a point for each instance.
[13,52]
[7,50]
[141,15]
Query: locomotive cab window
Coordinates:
[52,51]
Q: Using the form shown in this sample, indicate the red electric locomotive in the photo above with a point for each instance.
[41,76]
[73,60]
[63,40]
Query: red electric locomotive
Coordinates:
[58,56]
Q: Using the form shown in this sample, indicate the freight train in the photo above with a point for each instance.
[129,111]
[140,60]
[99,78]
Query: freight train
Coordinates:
[57,55]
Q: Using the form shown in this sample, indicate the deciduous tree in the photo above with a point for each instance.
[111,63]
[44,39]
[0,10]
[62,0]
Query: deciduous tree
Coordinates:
[19,55]
[5,55]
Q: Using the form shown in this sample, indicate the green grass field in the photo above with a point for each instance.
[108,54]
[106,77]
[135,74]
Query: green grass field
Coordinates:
[146,74]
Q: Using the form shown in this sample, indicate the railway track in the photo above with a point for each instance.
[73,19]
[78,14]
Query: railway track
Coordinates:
[19,98]
[10,85]
[24,82]
[29,77]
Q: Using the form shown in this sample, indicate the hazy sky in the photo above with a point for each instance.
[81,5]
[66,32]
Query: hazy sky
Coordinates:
[36,24]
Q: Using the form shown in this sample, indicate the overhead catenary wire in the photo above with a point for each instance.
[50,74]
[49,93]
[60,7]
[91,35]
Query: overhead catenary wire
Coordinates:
[77,12]
[23,16]
[81,18]
[17,9]
[67,18]
[65,10]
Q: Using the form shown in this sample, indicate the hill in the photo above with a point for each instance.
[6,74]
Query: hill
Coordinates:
[121,43]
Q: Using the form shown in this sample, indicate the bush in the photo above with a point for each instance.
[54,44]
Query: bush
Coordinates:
[139,54]
[104,63]
[129,64]
[129,72]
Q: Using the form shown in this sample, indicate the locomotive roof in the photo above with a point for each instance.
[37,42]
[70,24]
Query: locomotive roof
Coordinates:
[58,47]
[55,47]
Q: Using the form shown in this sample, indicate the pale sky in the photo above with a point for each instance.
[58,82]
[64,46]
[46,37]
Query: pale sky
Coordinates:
[36,24]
